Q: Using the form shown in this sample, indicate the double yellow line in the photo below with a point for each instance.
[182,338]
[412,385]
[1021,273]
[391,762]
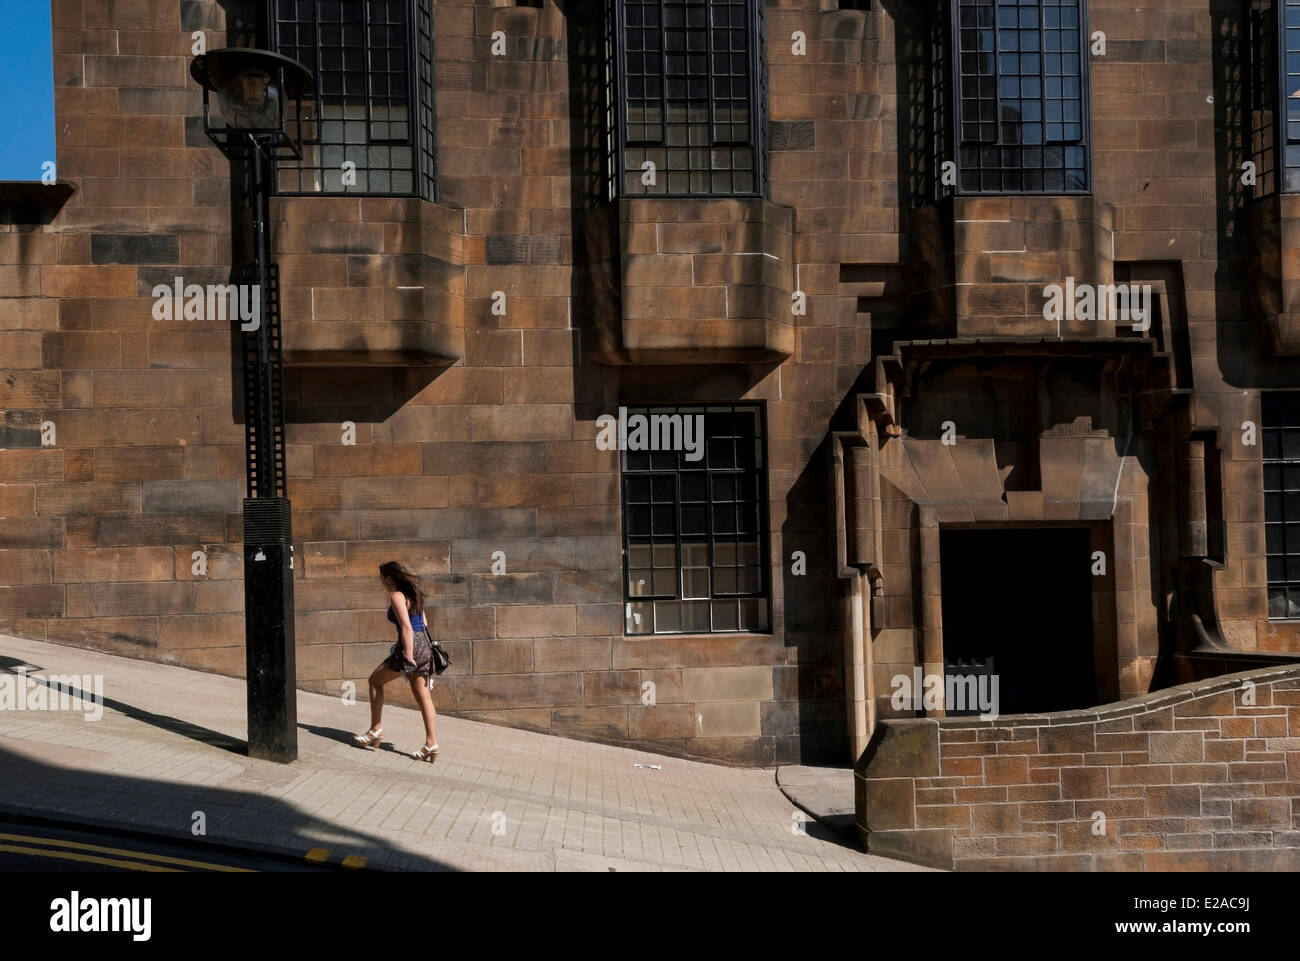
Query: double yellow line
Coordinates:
[42,847]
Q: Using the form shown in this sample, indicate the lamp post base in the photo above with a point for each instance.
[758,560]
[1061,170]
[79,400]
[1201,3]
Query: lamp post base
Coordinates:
[268,630]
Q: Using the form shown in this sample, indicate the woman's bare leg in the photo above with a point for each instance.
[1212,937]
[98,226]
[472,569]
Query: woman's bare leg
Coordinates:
[378,678]
[424,697]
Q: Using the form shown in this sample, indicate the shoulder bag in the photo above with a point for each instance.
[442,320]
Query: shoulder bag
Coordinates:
[441,659]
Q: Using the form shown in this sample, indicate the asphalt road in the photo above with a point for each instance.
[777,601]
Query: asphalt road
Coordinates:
[48,846]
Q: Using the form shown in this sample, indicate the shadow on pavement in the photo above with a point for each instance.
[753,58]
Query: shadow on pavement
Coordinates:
[345,737]
[334,734]
[11,664]
[164,722]
[836,829]
[833,833]
[67,793]
[33,786]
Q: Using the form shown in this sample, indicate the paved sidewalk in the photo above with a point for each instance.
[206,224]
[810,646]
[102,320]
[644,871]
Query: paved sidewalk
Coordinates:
[170,743]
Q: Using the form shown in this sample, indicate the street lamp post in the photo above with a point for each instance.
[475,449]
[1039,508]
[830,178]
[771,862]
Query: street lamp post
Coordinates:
[252,88]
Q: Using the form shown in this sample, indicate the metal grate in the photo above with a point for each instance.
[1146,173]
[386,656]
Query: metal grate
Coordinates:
[613,135]
[372,59]
[427,158]
[1021,96]
[759,58]
[690,92]
[1281,436]
[1290,55]
[939,89]
[1261,18]
[694,532]
[1275,40]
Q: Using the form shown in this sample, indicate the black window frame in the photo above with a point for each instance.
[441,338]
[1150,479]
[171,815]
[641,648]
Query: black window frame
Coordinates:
[420,100]
[617,86]
[1271,146]
[658,466]
[950,132]
[1280,422]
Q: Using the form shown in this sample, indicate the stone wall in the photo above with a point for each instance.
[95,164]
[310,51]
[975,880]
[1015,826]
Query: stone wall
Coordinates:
[370,281]
[1202,777]
[475,430]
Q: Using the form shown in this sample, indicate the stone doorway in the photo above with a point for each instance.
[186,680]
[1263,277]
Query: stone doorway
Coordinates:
[1019,603]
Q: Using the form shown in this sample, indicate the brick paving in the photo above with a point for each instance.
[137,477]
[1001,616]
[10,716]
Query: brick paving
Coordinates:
[169,744]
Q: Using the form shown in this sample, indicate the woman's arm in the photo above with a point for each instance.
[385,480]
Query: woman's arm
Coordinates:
[404,625]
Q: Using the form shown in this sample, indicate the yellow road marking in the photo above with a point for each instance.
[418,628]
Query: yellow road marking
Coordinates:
[354,861]
[317,855]
[86,858]
[162,858]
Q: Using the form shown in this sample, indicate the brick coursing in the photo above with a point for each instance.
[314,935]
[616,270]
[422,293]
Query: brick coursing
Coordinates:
[1203,776]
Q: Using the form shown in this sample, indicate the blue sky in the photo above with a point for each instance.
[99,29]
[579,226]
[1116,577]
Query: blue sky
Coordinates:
[26,89]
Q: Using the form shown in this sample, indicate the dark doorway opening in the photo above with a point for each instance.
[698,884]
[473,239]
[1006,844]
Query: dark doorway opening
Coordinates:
[1018,604]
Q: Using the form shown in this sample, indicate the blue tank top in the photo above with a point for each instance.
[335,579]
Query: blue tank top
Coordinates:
[417,621]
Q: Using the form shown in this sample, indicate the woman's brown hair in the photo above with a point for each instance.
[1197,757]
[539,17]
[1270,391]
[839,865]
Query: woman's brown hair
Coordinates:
[406,582]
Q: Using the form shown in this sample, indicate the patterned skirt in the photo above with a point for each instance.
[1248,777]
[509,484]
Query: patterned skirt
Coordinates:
[423,651]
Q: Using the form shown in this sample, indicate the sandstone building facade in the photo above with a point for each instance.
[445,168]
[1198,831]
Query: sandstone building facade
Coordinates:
[829,230]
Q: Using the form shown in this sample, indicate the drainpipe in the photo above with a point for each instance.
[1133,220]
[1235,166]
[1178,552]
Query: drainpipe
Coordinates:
[1198,621]
[859,702]
[866,528]
[1194,533]
[854,562]
[931,599]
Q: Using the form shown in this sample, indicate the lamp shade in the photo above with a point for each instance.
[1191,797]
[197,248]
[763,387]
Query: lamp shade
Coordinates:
[251,86]
[251,100]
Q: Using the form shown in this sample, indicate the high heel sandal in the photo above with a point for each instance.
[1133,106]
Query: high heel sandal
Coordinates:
[372,738]
[426,753]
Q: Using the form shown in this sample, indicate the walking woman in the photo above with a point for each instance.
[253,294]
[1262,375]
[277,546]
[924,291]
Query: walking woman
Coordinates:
[411,657]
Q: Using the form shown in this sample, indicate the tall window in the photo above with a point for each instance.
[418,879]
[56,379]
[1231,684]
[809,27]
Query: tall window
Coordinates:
[1021,94]
[694,527]
[1281,431]
[687,86]
[368,126]
[1274,38]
